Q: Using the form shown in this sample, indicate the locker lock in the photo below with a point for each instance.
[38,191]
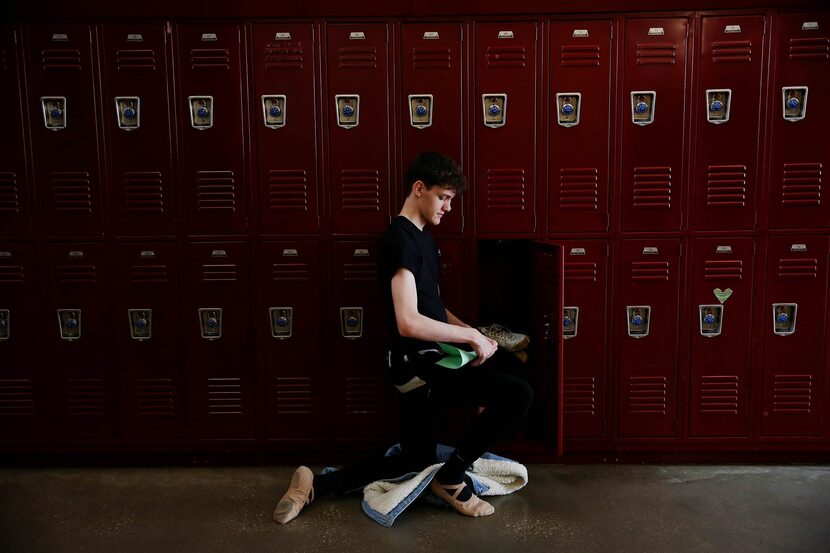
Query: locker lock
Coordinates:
[567,107]
[351,322]
[347,107]
[718,103]
[783,318]
[711,320]
[795,103]
[638,320]
[54,112]
[570,321]
[281,321]
[642,106]
[495,109]
[127,113]
[70,323]
[201,112]
[273,110]
[4,324]
[140,323]
[210,322]
[420,110]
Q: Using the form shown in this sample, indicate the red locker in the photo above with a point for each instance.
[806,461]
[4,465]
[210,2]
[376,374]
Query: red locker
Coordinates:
[146,321]
[284,108]
[288,318]
[800,147]
[721,327]
[138,127]
[504,107]
[584,329]
[63,118]
[15,213]
[359,128]
[451,277]
[653,118]
[579,125]
[728,102]
[433,74]
[648,312]
[219,340]
[211,91]
[75,326]
[794,336]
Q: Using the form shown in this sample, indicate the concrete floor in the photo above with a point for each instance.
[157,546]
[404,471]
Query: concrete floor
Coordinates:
[570,508]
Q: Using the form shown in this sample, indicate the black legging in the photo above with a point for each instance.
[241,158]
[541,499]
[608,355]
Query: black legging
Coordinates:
[498,385]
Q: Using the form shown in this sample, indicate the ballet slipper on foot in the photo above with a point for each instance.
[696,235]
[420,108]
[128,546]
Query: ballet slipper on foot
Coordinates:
[299,494]
[473,507]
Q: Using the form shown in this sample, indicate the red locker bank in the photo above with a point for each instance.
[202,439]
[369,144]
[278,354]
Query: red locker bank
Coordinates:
[191,206]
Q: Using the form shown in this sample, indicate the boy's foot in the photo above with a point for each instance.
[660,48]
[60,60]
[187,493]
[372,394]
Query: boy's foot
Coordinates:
[510,341]
[299,494]
[472,507]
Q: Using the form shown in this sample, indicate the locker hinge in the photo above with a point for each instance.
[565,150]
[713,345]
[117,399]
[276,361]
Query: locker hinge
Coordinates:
[313,34]
[537,33]
[387,33]
[462,34]
[612,32]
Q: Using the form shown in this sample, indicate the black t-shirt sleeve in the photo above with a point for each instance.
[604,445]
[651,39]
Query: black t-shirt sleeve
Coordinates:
[403,254]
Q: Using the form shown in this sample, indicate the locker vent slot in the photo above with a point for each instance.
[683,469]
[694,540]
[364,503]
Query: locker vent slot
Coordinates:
[719,395]
[723,269]
[579,189]
[652,187]
[360,271]
[506,189]
[798,268]
[726,186]
[294,396]
[54,58]
[580,395]
[580,272]
[224,272]
[77,274]
[580,55]
[438,58]
[801,184]
[215,190]
[363,396]
[291,271]
[287,190]
[17,398]
[731,51]
[71,192]
[647,395]
[85,397]
[148,274]
[360,190]
[12,274]
[210,58]
[225,396]
[793,394]
[9,193]
[804,49]
[656,52]
[357,58]
[283,58]
[126,60]
[650,270]
[156,397]
[511,56]
[143,192]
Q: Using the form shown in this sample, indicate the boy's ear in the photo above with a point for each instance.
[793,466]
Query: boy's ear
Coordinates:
[418,188]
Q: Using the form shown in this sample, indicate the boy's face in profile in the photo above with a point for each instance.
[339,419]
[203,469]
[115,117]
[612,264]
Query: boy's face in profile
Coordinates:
[434,202]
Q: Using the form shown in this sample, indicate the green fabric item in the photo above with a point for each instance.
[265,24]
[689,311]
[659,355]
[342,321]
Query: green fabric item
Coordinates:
[455,358]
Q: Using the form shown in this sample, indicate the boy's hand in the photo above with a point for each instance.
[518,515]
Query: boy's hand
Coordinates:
[484,347]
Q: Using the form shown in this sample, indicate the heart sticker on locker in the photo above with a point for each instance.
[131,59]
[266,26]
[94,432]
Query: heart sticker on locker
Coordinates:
[722,295]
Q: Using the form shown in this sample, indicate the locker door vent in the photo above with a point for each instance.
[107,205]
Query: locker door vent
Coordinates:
[801,184]
[360,271]
[143,192]
[719,395]
[156,397]
[726,186]
[732,51]
[9,193]
[580,395]
[506,189]
[652,187]
[224,396]
[225,272]
[59,59]
[148,274]
[210,58]
[298,272]
[579,189]
[793,393]
[723,269]
[12,274]
[77,274]
[357,58]
[85,397]
[656,53]
[808,49]
[17,398]
[283,58]
[647,395]
[650,270]
[437,58]
[126,60]
[363,396]
[71,192]
[287,190]
[798,268]
[513,56]
[360,190]
[580,55]
[294,396]
[580,272]
[215,190]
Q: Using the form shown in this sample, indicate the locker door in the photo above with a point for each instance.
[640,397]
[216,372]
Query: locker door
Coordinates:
[652,120]
[579,125]
[648,315]
[728,125]
[721,329]
[284,111]
[451,277]
[800,147]
[146,322]
[219,341]
[22,404]
[504,108]
[138,126]
[794,336]
[288,316]
[211,89]
[584,329]
[433,71]
[64,125]
[15,213]
[76,326]
[359,135]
